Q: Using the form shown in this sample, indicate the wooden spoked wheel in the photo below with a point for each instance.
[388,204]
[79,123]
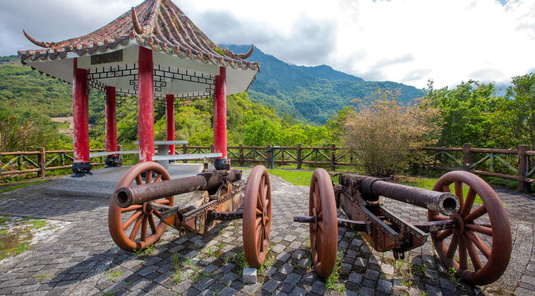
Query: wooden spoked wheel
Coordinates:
[324,229]
[138,226]
[257,217]
[479,247]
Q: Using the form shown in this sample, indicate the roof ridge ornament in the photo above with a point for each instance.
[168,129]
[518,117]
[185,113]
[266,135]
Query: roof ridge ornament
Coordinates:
[135,22]
[243,56]
[35,41]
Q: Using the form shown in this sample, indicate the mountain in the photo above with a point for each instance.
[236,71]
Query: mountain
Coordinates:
[312,94]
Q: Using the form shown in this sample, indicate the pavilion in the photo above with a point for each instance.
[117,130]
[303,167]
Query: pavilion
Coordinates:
[153,51]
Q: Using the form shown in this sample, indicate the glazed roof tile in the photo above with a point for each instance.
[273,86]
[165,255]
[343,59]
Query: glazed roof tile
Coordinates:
[157,24]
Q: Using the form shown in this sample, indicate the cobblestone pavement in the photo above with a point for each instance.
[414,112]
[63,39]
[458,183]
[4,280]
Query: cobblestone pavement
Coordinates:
[81,259]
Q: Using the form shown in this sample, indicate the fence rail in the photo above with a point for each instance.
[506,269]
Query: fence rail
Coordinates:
[24,162]
[511,164]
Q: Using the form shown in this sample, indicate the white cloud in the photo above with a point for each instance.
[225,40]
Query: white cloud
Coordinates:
[407,41]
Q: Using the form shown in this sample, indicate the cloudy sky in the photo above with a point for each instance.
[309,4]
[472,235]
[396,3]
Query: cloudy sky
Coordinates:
[408,41]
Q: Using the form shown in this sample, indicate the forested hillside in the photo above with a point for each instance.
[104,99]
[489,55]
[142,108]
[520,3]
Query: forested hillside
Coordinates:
[313,94]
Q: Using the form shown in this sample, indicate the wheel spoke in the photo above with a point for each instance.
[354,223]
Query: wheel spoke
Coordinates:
[438,217]
[152,223]
[266,202]
[472,252]
[259,235]
[131,220]
[148,177]
[139,180]
[135,229]
[162,201]
[258,212]
[468,203]
[144,227]
[459,189]
[462,255]
[479,228]
[444,234]
[319,244]
[452,247]
[320,226]
[446,188]
[158,178]
[131,208]
[479,243]
[482,210]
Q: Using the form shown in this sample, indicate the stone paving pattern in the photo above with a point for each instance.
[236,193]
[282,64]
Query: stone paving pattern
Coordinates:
[81,259]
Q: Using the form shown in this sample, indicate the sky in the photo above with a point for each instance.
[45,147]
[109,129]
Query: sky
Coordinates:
[407,41]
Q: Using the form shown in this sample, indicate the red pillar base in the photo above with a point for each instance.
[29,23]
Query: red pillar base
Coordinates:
[113,161]
[81,169]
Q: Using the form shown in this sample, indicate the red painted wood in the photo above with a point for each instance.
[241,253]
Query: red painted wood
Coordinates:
[170,121]
[220,114]
[145,111]
[111,119]
[80,106]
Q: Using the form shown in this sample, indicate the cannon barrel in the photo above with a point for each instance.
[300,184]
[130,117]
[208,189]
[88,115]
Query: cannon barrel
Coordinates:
[371,188]
[126,196]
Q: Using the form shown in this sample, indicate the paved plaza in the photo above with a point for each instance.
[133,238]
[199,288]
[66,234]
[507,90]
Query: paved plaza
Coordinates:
[81,258]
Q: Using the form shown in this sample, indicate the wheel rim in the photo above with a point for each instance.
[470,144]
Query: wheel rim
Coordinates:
[478,253]
[257,217]
[324,230]
[138,227]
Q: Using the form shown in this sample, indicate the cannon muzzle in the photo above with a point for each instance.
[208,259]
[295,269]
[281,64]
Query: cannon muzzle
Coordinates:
[126,196]
[371,188]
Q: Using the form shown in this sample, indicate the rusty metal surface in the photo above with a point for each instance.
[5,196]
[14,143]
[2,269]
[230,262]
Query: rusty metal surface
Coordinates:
[371,188]
[226,216]
[126,195]
[324,232]
[465,248]
[138,226]
[257,217]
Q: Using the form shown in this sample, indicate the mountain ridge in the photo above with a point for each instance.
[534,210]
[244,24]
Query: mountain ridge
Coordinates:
[313,94]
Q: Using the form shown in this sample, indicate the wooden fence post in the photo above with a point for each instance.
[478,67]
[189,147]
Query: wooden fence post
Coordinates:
[184,151]
[41,162]
[523,168]
[333,157]
[467,158]
[269,155]
[241,161]
[299,157]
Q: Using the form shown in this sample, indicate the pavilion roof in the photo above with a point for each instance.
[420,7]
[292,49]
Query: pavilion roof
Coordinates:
[156,24]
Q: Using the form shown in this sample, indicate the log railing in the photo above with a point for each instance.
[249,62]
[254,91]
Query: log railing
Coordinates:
[24,162]
[510,164]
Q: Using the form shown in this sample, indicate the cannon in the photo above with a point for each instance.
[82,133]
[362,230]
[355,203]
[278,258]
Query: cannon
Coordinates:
[143,205]
[473,239]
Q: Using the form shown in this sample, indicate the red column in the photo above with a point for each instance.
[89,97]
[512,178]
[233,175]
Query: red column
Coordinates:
[111,126]
[80,112]
[170,121]
[220,119]
[145,111]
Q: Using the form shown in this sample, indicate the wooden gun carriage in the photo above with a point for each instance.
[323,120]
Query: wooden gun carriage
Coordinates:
[475,240]
[142,206]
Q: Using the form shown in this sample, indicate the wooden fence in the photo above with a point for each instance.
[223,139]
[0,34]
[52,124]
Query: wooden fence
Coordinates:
[24,162]
[510,164]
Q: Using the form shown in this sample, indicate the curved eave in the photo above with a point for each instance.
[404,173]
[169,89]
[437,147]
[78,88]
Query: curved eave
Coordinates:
[58,63]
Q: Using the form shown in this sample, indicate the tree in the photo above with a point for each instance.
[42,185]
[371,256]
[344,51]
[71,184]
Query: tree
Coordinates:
[386,136]
[466,113]
[518,111]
